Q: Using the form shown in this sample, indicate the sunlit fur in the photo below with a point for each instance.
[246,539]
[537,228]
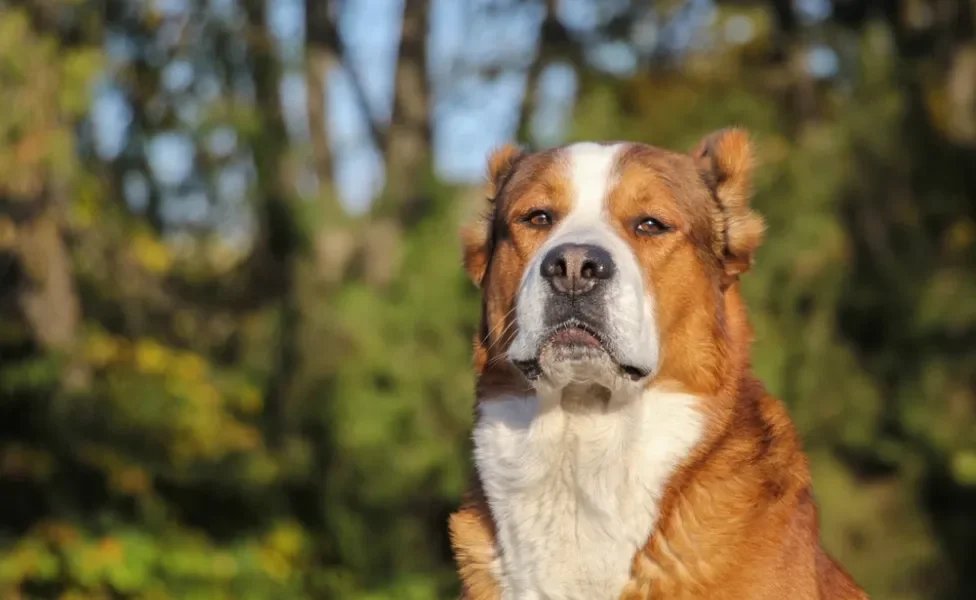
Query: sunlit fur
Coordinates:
[687,481]
[591,170]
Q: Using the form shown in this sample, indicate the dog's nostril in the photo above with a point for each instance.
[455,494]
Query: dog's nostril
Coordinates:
[594,270]
[597,265]
[554,266]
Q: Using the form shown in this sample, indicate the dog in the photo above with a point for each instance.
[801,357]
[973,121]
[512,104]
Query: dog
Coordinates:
[623,447]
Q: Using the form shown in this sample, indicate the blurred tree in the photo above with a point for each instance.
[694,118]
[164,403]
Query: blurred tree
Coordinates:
[37,171]
[407,143]
[321,56]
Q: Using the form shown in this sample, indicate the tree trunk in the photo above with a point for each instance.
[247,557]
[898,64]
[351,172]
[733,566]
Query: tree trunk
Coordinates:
[280,236]
[800,95]
[554,43]
[961,78]
[46,294]
[408,141]
[47,299]
[320,59]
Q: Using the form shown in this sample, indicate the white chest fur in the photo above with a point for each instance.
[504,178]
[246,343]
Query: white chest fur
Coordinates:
[574,486]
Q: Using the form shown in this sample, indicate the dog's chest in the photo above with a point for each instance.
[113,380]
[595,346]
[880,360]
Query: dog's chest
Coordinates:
[574,493]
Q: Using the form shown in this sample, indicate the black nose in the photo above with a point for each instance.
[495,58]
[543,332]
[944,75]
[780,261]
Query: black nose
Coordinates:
[576,269]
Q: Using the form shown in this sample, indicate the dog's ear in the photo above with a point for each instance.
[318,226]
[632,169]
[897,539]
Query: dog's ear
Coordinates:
[726,161]
[476,238]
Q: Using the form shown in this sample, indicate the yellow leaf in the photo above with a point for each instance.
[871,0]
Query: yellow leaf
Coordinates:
[274,564]
[961,235]
[964,467]
[286,539]
[132,480]
[8,233]
[62,534]
[151,358]
[205,396]
[151,254]
[109,551]
[224,566]
[189,366]
[102,349]
[250,400]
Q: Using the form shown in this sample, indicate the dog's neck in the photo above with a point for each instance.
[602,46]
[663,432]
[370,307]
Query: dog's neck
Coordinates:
[575,476]
[575,398]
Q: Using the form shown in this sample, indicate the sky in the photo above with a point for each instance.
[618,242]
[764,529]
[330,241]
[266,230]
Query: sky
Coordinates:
[471,118]
[472,114]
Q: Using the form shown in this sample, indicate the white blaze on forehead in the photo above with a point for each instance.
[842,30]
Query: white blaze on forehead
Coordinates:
[592,171]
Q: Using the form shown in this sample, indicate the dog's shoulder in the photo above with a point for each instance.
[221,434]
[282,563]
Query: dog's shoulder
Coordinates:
[472,535]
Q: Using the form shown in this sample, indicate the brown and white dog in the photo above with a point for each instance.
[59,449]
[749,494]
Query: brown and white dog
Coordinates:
[623,447]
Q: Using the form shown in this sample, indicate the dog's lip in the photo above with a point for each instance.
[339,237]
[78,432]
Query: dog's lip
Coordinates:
[577,336]
[576,333]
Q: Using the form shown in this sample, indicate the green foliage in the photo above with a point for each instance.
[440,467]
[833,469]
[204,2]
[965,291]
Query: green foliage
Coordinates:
[44,91]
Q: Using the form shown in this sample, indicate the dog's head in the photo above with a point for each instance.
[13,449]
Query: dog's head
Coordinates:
[611,264]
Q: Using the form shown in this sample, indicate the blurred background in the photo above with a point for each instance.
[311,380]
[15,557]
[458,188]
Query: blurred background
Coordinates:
[235,336]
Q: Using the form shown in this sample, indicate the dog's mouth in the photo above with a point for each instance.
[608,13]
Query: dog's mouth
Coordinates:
[577,341]
[576,335]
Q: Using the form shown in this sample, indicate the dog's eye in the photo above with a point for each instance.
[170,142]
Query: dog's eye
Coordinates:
[538,218]
[650,226]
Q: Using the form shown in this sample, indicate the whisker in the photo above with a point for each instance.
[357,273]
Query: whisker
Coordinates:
[504,318]
[500,337]
[502,333]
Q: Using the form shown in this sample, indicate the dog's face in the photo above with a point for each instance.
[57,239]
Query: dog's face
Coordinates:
[599,263]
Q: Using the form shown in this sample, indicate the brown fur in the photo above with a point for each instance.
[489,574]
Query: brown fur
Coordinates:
[738,519]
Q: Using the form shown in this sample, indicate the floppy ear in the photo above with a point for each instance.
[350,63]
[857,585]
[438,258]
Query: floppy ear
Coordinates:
[476,238]
[726,161]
